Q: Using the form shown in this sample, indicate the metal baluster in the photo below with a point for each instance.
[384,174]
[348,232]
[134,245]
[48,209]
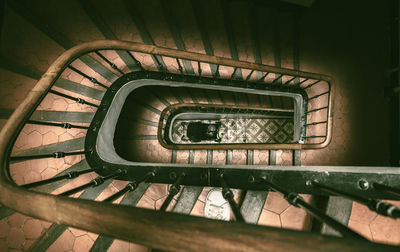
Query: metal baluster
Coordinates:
[137,63]
[289,80]
[64,125]
[158,64]
[312,84]
[310,111]
[297,201]
[95,182]
[315,123]
[79,100]
[69,175]
[314,136]
[129,187]
[233,74]
[301,82]
[179,66]
[217,72]
[173,190]
[277,79]
[58,154]
[389,189]
[93,80]
[228,195]
[248,76]
[199,68]
[316,96]
[380,207]
[263,77]
[112,65]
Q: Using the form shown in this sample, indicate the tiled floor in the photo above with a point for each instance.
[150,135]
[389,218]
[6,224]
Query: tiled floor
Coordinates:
[344,42]
[238,130]
[373,226]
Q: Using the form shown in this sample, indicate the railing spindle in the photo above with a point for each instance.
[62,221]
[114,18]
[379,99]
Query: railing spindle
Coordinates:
[233,74]
[298,201]
[69,175]
[286,82]
[63,125]
[263,77]
[228,195]
[158,64]
[248,76]
[316,96]
[199,68]
[173,190]
[216,75]
[92,79]
[79,100]
[301,82]
[129,187]
[58,154]
[312,84]
[315,123]
[317,109]
[179,66]
[277,79]
[93,183]
[380,207]
[314,136]
[112,65]
[137,62]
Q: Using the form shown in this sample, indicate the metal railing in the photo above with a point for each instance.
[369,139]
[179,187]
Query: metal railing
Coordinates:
[166,230]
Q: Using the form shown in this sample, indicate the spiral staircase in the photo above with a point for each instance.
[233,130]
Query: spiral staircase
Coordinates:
[84,163]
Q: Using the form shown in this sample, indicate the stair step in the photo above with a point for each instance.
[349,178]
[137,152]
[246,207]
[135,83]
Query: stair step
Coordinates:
[81,165]
[102,242]
[47,238]
[61,83]
[272,157]
[187,199]
[253,205]
[99,68]
[338,208]
[62,116]
[66,146]
[79,89]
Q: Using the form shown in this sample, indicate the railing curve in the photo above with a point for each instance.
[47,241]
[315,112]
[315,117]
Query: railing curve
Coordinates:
[166,231]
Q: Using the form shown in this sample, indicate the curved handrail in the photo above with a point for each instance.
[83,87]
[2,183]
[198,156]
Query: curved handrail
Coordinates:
[167,231]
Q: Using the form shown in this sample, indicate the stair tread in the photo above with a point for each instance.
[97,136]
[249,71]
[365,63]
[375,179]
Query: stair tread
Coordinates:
[79,89]
[102,242]
[47,238]
[62,116]
[338,208]
[65,146]
[253,205]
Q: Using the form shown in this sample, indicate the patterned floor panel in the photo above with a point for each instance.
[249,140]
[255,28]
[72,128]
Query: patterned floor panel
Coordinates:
[240,130]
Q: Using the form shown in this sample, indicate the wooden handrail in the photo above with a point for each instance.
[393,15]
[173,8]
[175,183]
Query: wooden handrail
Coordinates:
[166,231]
